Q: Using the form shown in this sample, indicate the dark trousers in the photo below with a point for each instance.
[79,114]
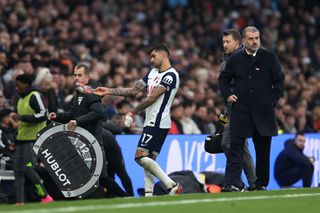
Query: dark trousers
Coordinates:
[24,161]
[292,175]
[116,164]
[262,146]
[248,164]
[105,180]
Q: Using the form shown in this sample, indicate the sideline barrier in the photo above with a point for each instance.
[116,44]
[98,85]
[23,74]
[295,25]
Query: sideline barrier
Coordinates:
[186,152]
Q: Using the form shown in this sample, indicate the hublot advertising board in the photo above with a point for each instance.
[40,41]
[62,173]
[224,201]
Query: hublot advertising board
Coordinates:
[73,159]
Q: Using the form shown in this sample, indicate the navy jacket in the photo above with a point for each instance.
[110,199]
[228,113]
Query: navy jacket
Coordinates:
[291,156]
[258,82]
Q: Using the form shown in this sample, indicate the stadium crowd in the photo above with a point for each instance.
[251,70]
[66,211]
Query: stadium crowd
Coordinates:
[48,38]
[114,36]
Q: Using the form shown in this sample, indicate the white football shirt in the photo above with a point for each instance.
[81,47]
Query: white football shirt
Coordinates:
[158,114]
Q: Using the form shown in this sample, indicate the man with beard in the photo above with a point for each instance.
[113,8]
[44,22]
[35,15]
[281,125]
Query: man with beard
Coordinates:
[161,83]
[258,83]
[231,40]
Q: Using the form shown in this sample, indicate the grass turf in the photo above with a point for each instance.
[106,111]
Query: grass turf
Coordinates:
[291,201]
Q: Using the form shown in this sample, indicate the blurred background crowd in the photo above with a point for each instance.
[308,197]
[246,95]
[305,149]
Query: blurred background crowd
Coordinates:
[47,38]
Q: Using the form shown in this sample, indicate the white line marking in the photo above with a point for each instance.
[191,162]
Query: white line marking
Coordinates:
[159,203]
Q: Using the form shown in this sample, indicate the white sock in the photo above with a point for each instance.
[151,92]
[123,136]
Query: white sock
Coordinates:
[148,183]
[154,168]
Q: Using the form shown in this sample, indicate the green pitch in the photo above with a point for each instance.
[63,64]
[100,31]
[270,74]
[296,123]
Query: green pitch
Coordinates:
[291,201]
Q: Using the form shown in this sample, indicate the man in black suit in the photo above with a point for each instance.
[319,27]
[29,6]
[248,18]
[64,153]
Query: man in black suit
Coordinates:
[232,43]
[258,85]
[86,111]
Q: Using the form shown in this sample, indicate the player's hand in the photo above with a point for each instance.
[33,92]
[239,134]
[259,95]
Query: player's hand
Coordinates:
[232,99]
[128,119]
[52,116]
[72,125]
[101,91]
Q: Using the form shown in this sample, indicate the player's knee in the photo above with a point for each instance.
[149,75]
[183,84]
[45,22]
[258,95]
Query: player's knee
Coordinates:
[143,161]
[139,160]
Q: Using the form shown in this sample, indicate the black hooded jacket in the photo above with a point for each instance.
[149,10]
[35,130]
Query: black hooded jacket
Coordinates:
[291,156]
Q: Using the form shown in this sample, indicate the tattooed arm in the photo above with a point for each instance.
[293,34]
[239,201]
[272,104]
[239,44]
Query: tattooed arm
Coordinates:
[138,87]
[150,99]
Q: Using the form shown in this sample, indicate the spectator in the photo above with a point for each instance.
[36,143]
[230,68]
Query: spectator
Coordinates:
[177,114]
[111,35]
[44,83]
[188,124]
[200,118]
[123,107]
[8,130]
[3,101]
[292,165]
[289,123]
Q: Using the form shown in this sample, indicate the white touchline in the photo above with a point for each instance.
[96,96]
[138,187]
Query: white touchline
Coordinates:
[159,203]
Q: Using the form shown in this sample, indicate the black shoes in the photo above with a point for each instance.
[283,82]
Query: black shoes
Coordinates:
[260,188]
[257,188]
[233,188]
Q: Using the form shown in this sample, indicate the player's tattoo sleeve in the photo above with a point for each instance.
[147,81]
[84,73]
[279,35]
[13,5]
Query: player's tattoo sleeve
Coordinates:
[138,87]
[150,99]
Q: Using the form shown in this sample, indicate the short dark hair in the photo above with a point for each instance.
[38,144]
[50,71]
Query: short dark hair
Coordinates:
[85,67]
[234,33]
[25,78]
[301,133]
[4,112]
[122,103]
[160,47]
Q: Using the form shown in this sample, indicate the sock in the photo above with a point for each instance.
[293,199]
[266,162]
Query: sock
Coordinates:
[40,190]
[154,168]
[148,183]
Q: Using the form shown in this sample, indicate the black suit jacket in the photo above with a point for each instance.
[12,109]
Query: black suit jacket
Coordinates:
[87,110]
[258,83]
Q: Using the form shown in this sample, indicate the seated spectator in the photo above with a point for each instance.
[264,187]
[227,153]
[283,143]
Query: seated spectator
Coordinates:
[200,118]
[289,125]
[3,101]
[188,124]
[8,127]
[177,114]
[292,165]
[123,107]
[316,118]
[44,82]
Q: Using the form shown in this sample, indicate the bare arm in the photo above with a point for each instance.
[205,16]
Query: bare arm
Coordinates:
[150,99]
[138,87]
